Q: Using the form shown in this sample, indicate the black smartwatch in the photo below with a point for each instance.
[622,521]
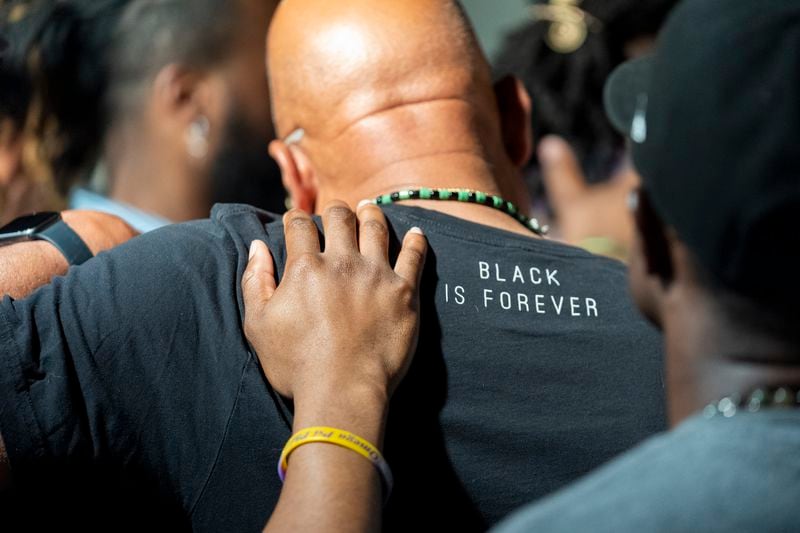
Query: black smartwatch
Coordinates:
[48,227]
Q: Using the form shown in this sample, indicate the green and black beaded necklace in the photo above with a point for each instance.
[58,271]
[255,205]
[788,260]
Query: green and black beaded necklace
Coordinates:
[466,196]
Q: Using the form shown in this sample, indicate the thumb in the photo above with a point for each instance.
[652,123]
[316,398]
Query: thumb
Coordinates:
[258,281]
[561,172]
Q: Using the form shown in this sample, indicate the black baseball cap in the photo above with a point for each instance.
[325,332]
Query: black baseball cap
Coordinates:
[713,118]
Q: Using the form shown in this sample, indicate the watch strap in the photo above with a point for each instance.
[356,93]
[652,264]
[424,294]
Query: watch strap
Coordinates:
[68,242]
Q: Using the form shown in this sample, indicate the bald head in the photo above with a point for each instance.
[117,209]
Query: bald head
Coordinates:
[335,62]
[377,82]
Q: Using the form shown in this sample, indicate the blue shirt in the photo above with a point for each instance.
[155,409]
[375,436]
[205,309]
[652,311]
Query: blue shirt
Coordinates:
[136,218]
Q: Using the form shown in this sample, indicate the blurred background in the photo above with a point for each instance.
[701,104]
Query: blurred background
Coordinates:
[494,19]
[564,50]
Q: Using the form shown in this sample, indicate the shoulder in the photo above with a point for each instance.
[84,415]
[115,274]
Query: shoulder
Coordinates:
[202,245]
[227,223]
[705,475]
[167,276]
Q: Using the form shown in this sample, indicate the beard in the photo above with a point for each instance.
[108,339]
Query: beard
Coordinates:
[243,172]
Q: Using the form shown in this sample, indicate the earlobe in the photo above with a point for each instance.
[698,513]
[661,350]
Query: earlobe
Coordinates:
[186,103]
[514,105]
[186,96]
[295,172]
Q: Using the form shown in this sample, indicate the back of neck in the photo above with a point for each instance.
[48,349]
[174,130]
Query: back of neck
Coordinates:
[155,181]
[708,360]
[456,170]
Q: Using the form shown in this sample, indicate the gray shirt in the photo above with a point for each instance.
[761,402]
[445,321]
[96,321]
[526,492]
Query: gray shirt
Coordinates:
[737,474]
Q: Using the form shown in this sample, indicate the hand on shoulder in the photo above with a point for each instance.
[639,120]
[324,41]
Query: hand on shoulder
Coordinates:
[341,319]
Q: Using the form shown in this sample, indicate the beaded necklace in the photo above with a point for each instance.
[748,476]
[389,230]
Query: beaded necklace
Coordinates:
[466,196]
[774,397]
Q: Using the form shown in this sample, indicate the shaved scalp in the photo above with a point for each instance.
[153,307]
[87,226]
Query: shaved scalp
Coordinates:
[372,73]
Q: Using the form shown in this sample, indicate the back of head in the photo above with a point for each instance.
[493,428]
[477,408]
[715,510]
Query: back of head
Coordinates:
[79,67]
[154,33]
[56,60]
[566,82]
[190,103]
[728,183]
[374,83]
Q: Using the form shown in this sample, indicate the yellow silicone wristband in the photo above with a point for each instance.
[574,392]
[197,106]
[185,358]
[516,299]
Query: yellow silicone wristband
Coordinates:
[337,437]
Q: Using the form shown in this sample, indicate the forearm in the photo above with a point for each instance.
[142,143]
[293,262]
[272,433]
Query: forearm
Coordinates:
[26,266]
[328,487]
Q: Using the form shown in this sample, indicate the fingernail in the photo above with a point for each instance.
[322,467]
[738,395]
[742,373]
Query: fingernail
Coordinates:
[416,231]
[362,203]
[252,250]
[549,148]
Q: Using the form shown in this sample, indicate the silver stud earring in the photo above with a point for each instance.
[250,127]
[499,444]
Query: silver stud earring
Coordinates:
[197,137]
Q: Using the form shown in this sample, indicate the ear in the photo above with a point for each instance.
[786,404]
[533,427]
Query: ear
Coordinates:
[297,174]
[174,93]
[182,95]
[514,104]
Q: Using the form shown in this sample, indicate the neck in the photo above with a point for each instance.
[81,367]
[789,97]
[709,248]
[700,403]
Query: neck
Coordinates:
[155,182]
[708,359]
[458,170]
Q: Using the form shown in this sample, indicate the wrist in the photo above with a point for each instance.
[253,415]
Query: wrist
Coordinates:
[358,408]
[50,259]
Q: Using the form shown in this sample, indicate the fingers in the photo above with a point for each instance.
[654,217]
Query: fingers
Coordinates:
[258,281]
[561,172]
[301,234]
[373,234]
[340,228]
[412,257]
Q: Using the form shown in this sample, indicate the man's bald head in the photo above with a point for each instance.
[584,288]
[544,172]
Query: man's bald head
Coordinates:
[376,82]
[335,62]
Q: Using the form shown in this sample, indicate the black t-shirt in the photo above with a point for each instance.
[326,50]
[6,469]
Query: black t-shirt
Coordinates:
[132,374]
